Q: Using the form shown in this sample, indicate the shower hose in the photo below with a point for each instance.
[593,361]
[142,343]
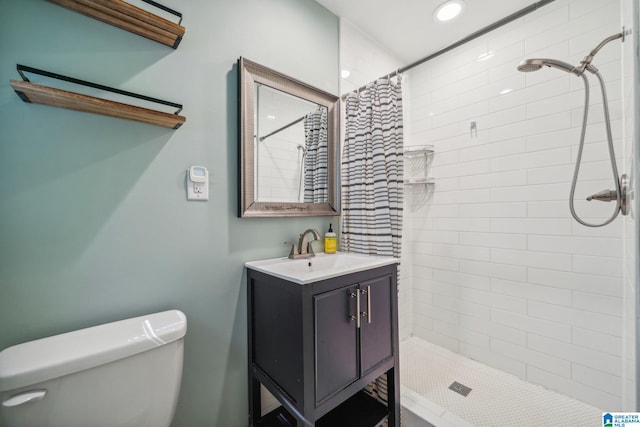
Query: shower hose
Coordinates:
[612,156]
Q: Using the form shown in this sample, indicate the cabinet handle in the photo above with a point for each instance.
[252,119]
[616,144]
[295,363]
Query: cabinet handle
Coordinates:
[369,310]
[356,295]
[367,313]
[364,313]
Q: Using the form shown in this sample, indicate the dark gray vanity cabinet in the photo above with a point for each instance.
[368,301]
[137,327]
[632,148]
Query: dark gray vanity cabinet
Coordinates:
[316,346]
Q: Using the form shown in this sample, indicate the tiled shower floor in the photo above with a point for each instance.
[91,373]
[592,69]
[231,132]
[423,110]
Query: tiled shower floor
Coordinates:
[496,399]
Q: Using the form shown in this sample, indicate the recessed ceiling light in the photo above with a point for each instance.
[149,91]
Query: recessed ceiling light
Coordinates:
[345,74]
[271,116]
[448,10]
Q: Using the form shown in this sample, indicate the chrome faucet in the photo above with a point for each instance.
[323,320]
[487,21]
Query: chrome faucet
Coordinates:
[304,249]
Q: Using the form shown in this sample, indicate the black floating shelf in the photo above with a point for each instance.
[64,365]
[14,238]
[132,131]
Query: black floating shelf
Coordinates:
[39,94]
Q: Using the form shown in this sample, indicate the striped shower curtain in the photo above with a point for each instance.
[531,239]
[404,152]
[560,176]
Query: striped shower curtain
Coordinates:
[372,170]
[372,179]
[316,156]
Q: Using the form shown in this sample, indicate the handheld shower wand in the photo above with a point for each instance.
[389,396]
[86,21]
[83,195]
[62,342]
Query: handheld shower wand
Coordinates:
[535,64]
[618,195]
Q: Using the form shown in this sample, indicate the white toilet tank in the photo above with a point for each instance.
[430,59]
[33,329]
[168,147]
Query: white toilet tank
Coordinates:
[120,374]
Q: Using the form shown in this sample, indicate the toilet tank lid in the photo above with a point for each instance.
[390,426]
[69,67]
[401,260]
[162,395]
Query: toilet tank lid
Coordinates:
[47,358]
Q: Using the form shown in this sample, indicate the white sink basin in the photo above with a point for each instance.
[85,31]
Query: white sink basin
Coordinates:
[320,267]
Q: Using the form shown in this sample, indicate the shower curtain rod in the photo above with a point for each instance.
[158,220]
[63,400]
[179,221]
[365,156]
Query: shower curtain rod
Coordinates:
[262,138]
[519,14]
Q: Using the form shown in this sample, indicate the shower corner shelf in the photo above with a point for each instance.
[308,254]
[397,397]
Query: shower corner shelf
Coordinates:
[417,165]
[419,181]
[39,94]
[131,18]
[418,150]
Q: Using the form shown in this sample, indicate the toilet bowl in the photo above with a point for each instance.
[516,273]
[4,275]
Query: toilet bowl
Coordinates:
[124,374]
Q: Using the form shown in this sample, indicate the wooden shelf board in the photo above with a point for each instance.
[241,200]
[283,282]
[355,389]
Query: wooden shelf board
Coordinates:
[130,18]
[30,92]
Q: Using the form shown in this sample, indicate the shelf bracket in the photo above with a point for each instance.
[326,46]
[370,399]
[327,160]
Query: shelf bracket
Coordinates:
[131,18]
[23,68]
[166,9]
[60,98]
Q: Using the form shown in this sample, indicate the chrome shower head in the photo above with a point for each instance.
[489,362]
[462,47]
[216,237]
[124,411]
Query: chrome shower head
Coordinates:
[534,64]
[527,67]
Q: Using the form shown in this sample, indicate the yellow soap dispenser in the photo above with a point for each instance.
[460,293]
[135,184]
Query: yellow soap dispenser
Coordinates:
[330,241]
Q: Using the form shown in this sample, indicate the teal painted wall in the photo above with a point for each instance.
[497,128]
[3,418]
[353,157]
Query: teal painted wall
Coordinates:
[94,222]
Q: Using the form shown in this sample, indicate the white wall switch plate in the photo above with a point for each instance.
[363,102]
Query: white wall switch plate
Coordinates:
[198,183]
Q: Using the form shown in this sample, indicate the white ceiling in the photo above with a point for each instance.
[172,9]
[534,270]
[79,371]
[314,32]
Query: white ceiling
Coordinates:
[406,28]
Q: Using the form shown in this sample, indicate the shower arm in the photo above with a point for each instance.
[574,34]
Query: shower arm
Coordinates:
[586,61]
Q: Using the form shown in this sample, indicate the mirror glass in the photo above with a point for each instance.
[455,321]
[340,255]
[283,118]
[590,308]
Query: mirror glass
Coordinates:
[288,137]
[290,148]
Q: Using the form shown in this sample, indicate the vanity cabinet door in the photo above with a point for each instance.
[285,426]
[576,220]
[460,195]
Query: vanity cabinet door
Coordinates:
[336,341]
[376,339]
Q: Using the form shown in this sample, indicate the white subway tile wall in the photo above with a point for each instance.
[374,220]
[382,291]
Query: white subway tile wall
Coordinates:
[494,267]
[500,271]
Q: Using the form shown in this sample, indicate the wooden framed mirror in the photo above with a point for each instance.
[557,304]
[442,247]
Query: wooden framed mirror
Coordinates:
[288,145]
